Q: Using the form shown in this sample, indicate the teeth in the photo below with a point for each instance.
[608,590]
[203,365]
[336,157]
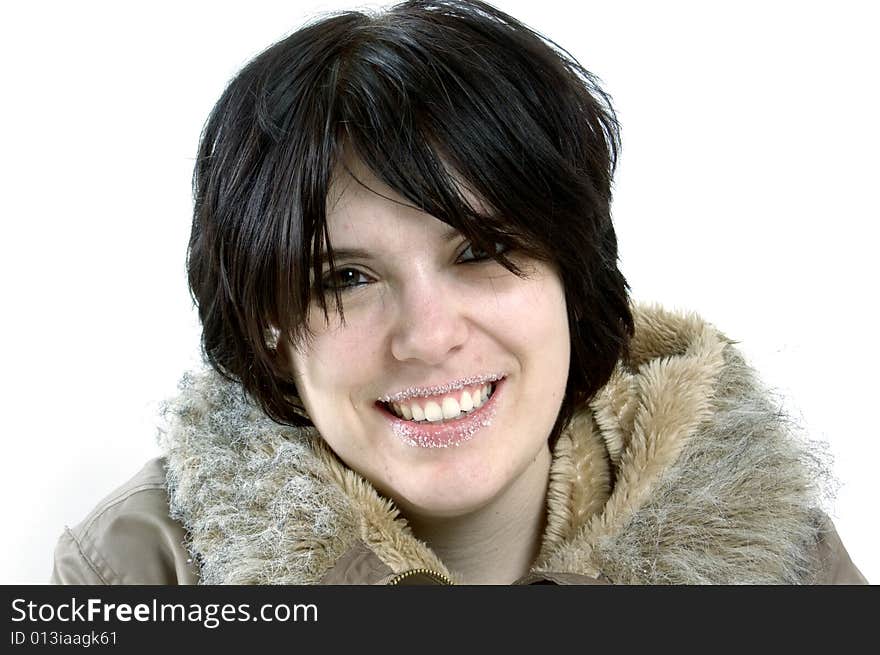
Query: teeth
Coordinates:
[451,408]
[433,412]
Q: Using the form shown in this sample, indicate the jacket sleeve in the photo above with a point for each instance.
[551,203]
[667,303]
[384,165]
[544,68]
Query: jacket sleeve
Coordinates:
[71,566]
[836,567]
[128,538]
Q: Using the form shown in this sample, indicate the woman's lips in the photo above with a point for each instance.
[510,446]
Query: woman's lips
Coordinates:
[425,434]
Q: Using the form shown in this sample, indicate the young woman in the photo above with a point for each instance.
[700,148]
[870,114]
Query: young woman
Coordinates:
[423,361]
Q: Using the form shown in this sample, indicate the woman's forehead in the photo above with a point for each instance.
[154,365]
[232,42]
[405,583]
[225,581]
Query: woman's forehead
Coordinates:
[361,205]
[355,183]
[366,221]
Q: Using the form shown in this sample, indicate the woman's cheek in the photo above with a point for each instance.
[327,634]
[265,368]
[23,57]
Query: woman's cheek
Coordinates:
[351,353]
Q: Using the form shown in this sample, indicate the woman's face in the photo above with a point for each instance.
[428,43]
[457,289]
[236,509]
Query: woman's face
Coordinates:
[421,319]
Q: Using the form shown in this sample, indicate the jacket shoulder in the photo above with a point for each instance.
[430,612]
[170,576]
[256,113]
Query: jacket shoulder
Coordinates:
[836,566]
[128,538]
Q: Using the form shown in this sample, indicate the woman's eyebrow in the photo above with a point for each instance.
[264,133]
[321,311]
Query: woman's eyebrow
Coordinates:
[361,253]
[346,253]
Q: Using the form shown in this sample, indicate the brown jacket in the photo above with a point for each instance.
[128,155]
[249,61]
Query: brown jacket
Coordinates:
[679,471]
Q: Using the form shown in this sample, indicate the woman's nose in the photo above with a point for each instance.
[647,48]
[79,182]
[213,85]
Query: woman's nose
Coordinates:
[429,322]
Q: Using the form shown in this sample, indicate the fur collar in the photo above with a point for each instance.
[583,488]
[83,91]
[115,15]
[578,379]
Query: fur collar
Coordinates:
[680,470]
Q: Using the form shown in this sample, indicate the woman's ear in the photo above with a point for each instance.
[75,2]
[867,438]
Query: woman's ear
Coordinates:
[270,336]
[281,348]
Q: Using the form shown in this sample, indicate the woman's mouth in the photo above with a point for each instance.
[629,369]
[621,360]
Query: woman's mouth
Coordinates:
[442,408]
[443,421]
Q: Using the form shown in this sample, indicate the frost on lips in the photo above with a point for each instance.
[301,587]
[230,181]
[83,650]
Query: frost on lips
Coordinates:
[443,402]
[447,406]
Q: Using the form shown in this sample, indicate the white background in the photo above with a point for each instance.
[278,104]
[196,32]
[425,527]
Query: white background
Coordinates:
[748,191]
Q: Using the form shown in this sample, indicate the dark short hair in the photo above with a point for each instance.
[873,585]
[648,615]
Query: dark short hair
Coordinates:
[430,95]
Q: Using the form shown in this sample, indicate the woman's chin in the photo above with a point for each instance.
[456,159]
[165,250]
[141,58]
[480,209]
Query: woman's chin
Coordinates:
[437,509]
[447,498]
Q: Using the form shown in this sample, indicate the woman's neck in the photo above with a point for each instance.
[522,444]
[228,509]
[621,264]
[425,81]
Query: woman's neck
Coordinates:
[497,543]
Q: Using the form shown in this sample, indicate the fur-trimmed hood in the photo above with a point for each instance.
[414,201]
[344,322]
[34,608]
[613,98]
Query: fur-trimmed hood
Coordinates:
[680,470]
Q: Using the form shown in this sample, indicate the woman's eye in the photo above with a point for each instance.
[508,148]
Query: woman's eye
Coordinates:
[343,279]
[478,255]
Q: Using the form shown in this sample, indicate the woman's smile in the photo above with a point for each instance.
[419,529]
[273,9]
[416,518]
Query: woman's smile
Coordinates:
[445,420]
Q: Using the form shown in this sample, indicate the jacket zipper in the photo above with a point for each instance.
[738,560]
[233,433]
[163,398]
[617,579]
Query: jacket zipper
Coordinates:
[434,575]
